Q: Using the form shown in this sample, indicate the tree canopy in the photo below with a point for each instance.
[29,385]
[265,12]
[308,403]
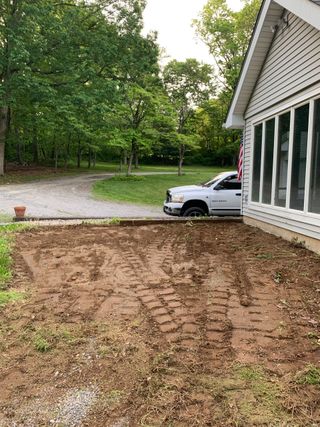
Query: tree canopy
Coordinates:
[227,34]
[188,85]
[63,67]
[78,80]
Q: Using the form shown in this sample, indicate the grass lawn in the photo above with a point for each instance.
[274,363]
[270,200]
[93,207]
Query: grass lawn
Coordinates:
[150,190]
[25,174]
[6,243]
[5,218]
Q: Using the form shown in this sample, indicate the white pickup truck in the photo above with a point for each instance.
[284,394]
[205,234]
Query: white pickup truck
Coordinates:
[221,196]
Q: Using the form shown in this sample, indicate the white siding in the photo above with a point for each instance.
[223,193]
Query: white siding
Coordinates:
[290,75]
[263,44]
[246,164]
[293,63]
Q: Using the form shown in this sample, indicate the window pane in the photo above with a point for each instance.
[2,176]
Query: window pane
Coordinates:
[231,184]
[256,163]
[282,164]
[299,157]
[268,161]
[314,203]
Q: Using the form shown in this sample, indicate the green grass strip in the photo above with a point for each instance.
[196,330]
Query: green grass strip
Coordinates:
[7,233]
[8,296]
[147,190]
[5,259]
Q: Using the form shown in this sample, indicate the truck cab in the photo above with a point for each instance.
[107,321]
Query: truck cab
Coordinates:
[220,196]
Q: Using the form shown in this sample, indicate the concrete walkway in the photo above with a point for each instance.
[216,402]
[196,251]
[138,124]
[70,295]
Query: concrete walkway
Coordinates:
[68,197]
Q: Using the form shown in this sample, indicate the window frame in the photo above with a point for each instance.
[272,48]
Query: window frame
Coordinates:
[272,207]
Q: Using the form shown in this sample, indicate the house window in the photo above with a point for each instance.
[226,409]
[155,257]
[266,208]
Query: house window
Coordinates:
[257,163]
[283,157]
[268,161]
[314,201]
[299,157]
[286,159]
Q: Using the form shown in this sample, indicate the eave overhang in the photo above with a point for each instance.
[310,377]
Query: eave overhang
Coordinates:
[269,17]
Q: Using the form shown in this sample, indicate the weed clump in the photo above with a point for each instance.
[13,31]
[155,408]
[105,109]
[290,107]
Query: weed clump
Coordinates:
[310,375]
[41,344]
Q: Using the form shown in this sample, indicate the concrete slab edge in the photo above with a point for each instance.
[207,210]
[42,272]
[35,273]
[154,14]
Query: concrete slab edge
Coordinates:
[124,221]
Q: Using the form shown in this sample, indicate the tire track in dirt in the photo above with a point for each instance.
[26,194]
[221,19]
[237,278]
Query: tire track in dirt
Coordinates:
[214,308]
[22,272]
[153,286]
[202,302]
[256,320]
[216,349]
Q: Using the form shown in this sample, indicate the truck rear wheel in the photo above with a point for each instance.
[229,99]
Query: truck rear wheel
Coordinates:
[194,212]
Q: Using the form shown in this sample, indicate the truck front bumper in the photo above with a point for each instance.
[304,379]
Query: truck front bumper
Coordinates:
[172,208]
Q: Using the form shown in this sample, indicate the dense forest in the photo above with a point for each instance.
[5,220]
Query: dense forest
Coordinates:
[79,81]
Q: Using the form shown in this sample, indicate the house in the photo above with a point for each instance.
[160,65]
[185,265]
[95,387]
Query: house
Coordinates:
[277,104]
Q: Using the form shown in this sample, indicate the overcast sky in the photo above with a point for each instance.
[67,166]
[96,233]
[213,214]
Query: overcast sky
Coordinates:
[172,20]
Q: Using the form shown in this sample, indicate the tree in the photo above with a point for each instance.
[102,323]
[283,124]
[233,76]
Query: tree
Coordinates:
[218,145]
[188,85]
[143,113]
[61,65]
[227,34]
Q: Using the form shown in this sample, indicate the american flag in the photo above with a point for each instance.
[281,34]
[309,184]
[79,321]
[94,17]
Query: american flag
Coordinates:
[240,159]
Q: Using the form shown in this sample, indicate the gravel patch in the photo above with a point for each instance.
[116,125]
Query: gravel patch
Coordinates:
[74,408]
[67,197]
[123,422]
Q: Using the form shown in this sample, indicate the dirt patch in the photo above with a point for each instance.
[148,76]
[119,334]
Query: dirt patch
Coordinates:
[168,325]
[20,173]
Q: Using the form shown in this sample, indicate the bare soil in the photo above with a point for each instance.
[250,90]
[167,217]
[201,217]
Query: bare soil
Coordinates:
[169,325]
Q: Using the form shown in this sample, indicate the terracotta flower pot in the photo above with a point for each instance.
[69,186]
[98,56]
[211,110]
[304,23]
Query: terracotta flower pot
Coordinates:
[20,211]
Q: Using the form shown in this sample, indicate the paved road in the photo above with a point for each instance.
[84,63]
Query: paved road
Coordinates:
[67,197]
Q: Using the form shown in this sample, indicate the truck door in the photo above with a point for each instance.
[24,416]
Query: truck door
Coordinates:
[226,196]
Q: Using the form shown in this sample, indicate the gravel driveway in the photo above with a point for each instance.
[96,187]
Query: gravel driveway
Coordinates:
[68,197]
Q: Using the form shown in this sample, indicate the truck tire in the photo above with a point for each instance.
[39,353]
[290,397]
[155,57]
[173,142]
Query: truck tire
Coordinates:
[194,211]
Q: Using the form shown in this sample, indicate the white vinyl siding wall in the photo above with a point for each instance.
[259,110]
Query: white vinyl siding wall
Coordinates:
[293,63]
[290,76]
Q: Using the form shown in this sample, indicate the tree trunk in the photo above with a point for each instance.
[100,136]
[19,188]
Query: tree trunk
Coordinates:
[3,135]
[56,161]
[181,158]
[89,158]
[125,158]
[130,160]
[35,150]
[131,157]
[1,159]
[55,156]
[18,146]
[94,159]
[67,151]
[136,159]
[79,154]
[19,154]
[43,152]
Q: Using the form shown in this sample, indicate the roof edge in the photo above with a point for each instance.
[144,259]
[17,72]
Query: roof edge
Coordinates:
[247,60]
[305,9]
